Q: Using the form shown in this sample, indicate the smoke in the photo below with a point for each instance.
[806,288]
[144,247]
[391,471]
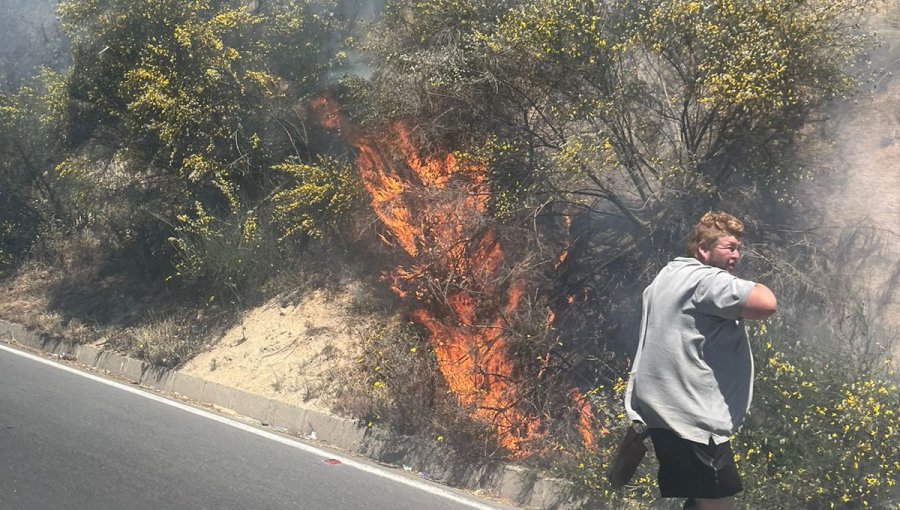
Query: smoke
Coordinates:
[858,185]
[832,251]
[363,9]
[361,14]
[30,37]
[854,197]
[355,64]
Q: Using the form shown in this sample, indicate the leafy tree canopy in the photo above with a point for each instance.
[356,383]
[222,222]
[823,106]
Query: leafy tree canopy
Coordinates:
[625,107]
[31,145]
[196,87]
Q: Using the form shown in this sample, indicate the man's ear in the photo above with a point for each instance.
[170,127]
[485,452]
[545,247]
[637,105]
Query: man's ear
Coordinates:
[702,253]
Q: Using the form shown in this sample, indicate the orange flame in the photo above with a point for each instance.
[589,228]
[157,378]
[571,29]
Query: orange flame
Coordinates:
[564,254]
[471,351]
[586,420]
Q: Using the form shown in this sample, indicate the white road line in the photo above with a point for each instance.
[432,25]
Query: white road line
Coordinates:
[437,491]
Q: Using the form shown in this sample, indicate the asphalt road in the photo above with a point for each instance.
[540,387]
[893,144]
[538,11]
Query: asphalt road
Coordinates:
[70,441]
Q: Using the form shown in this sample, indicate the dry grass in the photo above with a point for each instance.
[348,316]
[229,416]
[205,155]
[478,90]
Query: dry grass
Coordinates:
[75,289]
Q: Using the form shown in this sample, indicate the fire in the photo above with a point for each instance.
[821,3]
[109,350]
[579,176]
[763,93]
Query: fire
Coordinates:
[430,204]
[586,420]
[564,254]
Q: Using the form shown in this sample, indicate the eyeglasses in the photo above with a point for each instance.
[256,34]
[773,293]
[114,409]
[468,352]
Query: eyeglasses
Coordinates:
[728,247]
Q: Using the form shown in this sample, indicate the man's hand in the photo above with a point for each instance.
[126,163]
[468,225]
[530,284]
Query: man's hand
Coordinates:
[760,304]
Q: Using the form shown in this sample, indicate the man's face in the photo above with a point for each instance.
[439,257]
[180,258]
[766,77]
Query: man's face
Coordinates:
[723,254]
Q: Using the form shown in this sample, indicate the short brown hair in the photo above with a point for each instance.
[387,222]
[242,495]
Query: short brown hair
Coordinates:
[710,228]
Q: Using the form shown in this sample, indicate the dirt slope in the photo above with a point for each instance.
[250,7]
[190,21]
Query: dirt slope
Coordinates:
[294,353]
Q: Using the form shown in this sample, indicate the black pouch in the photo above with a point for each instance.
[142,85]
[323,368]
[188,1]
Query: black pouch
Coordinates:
[628,456]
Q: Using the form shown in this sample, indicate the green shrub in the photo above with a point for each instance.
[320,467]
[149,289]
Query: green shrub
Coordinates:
[394,383]
[31,144]
[821,433]
[319,198]
[587,467]
[228,257]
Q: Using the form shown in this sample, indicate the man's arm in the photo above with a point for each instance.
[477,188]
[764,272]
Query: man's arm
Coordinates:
[760,304]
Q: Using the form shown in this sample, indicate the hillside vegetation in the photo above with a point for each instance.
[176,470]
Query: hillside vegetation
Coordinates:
[488,185]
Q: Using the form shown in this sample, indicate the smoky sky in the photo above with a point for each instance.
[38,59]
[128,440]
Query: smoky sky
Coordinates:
[29,37]
[851,201]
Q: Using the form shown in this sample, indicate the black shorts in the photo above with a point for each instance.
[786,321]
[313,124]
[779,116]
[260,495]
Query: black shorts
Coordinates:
[694,470]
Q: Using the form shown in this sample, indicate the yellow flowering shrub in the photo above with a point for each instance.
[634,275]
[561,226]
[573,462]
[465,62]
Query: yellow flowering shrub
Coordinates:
[204,94]
[821,434]
[319,197]
[226,255]
[32,142]
[750,54]
[630,106]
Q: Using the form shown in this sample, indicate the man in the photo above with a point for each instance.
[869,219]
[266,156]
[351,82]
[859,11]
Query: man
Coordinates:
[692,377]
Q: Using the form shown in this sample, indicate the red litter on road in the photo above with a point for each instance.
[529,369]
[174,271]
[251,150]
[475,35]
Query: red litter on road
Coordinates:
[332,461]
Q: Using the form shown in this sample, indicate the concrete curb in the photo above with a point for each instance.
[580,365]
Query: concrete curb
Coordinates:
[513,483]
